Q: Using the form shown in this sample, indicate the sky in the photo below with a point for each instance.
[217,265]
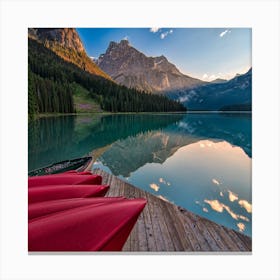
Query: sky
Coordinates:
[204,53]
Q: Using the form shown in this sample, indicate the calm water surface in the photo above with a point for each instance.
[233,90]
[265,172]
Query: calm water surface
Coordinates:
[199,161]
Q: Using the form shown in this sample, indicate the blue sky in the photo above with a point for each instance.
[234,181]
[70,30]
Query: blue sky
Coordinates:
[204,53]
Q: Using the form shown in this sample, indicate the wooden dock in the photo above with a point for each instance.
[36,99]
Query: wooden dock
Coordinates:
[165,227]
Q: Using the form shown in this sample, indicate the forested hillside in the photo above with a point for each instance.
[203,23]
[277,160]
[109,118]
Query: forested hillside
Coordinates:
[52,82]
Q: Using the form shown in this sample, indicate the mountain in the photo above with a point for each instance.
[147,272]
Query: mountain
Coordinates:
[128,66]
[235,94]
[63,79]
[66,43]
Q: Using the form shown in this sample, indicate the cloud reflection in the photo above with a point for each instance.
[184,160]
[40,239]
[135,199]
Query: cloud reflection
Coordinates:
[241,227]
[232,196]
[215,205]
[218,206]
[245,204]
[154,186]
[162,181]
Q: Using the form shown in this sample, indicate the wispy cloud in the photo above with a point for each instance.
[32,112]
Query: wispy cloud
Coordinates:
[222,34]
[154,29]
[165,34]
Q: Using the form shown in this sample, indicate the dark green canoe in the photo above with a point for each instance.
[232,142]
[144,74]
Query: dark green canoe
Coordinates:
[62,166]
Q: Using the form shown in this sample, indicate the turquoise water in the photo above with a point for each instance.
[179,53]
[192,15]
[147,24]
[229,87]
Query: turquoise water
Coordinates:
[199,161]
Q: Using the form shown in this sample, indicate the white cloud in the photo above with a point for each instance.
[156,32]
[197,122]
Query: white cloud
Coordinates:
[205,76]
[222,34]
[164,34]
[215,181]
[154,29]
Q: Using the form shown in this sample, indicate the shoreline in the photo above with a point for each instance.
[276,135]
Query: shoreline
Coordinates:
[48,115]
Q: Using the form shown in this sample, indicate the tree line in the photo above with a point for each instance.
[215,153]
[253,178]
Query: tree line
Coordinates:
[50,89]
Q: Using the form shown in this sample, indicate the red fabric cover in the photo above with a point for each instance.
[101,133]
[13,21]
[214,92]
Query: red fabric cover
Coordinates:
[44,193]
[88,228]
[44,208]
[64,179]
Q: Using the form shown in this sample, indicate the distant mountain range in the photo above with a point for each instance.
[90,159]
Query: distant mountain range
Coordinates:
[128,66]
[232,95]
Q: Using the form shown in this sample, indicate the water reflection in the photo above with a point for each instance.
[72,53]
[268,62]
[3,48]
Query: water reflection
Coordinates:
[213,181]
[55,139]
[199,161]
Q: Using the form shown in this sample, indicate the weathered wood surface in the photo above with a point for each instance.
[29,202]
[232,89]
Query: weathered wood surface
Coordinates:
[165,227]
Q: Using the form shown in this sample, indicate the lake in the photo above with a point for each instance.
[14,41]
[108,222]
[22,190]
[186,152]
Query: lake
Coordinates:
[202,162]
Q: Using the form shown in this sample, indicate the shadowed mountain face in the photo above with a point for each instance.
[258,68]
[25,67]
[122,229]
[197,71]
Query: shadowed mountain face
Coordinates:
[127,155]
[129,67]
[236,93]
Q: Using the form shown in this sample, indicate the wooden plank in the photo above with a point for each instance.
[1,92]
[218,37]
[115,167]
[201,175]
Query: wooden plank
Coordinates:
[247,241]
[155,223]
[209,238]
[151,244]
[134,243]
[167,238]
[216,236]
[158,206]
[239,243]
[175,227]
[226,238]
[142,234]
[192,222]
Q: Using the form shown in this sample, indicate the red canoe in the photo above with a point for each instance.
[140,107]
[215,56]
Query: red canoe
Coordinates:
[64,179]
[44,193]
[44,208]
[87,228]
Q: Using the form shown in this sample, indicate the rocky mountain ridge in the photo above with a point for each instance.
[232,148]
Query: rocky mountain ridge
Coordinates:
[66,43]
[130,67]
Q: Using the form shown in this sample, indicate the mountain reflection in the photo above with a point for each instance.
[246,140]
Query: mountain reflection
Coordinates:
[127,155]
[55,139]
